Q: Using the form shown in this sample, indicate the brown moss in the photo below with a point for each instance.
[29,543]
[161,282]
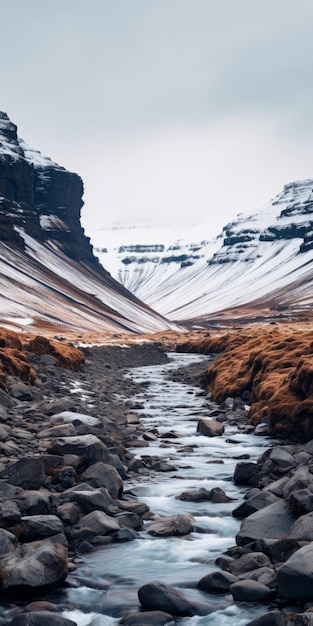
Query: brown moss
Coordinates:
[14,349]
[67,356]
[275,365]
[13,362]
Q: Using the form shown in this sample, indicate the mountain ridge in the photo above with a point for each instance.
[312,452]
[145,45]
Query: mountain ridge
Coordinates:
[261,261]
[49,275]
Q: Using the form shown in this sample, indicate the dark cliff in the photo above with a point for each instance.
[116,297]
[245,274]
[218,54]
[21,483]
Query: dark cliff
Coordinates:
[48,272]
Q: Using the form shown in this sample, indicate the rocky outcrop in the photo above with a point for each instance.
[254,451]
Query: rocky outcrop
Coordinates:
[49,274]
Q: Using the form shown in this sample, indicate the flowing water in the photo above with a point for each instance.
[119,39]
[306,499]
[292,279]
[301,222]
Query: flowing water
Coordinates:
[104,586]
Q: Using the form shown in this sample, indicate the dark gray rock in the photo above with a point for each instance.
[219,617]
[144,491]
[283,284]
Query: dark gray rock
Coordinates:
[171,526]
[247,474]
[295,577]
[10,513]
[271,522]
[69,513]
[83,424]
[250,591]
[248,562]
[300,502]
[157,596]
[217,582]
[8,543]
[210,427]
[36,565]
[28,473]
[104,475]
[87,446]
[39,526]
[89,499]
[41,618]
[153,618]
[302,529]
[253,504]
[94,524]
[273,618]
[34,502]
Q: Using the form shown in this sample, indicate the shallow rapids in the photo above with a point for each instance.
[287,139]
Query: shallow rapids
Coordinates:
[105,585]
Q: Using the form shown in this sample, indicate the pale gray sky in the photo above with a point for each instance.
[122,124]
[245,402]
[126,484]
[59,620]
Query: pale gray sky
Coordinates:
[168,109]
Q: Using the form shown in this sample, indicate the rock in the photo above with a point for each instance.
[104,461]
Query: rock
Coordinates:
[40,618]
[64,430]
[300,479]
[9,513]
[104,475]
[300,502]
[282,459]
[271,522]
[21,392]
[34,527]
[129,520]
[302,529]
[303,619]
[210,427]
[247,474]
[153,618]
[83,424]
[264,575]
[248,562]
[197,495]
[115,461]
[68,513]
[295,577]
[277,486]
[157,596]
[38,565]
[34,502]
[250,591]
[253,504]
[216,582]
[94,524]
[8,543]
[134,506]
[272,618]
[89,499]
[218,495]
[28,473]
[171,526]
[87,446]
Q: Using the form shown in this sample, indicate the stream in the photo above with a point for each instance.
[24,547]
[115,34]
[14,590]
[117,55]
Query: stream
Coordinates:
[104,586]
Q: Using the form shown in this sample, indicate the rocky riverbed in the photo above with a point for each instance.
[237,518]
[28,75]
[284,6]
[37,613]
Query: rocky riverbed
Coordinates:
[65,450]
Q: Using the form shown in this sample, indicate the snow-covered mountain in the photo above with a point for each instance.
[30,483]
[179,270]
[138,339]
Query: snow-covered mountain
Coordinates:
[49,276]
[261,260]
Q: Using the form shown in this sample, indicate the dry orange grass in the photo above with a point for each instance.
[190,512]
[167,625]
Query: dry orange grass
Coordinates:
[15,347]
[275,364]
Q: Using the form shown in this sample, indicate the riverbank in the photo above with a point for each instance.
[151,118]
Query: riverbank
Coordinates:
[66,445]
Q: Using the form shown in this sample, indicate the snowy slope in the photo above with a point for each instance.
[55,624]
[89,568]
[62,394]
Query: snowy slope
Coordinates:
[264,259]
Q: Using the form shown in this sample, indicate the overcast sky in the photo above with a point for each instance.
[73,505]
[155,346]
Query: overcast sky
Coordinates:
[168,109]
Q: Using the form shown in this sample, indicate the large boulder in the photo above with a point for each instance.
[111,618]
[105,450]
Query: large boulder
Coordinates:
[255,503]
[83,424]
[89,447]
[271,522]
[41,618]
[210,427]
[217,582]
[173,525]
[271,618]
[39,526]
[157,596]
[89,499]
[28,473]
[104,475]
[250,591]
[247,474]
[153,618]
[95,524]
[295,577]
[37,565]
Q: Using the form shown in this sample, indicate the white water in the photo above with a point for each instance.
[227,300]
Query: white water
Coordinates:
[109,579]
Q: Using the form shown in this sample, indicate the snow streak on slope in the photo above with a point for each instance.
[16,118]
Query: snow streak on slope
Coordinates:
[267,256]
